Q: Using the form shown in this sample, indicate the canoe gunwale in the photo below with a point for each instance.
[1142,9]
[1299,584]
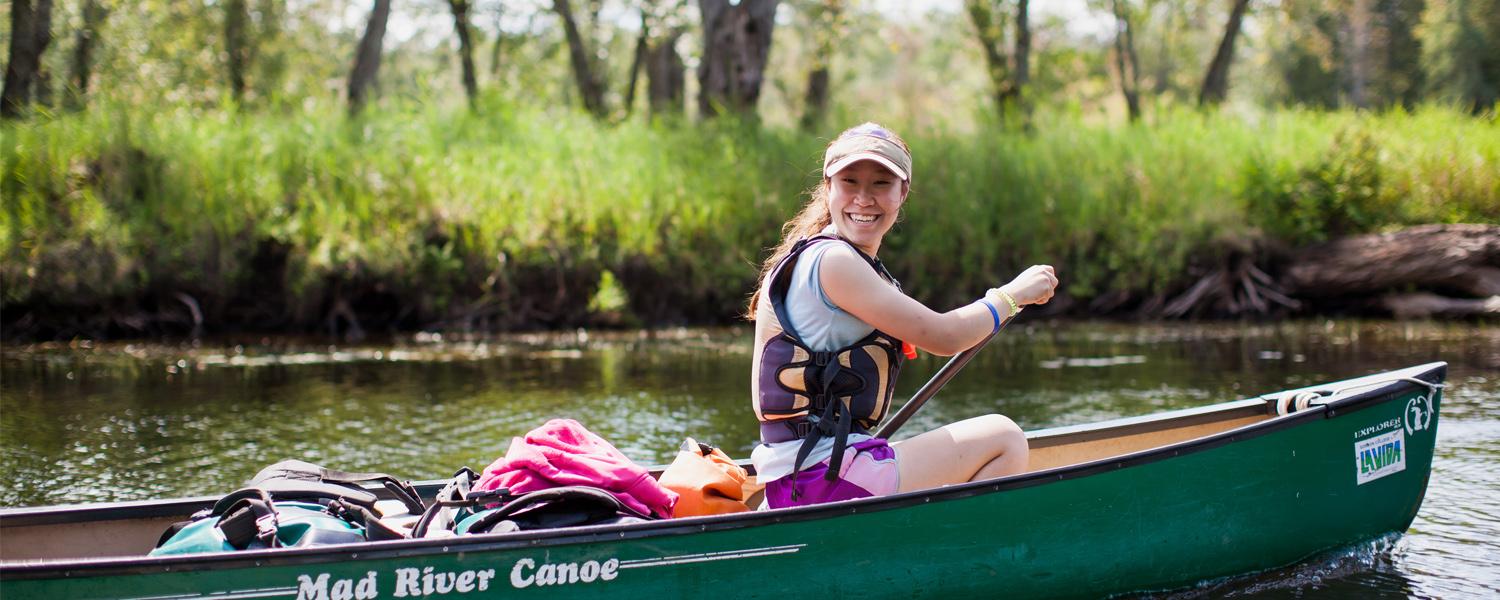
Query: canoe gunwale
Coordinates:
[142,565]
[1376,396]
[105,511]
[1142,424]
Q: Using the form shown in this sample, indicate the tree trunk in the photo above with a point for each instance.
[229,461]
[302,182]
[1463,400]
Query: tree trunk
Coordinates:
[989,27]
[826,29]
[736,46]
[642,46]
[465,49]
[1022,76]
[1216,83]
[1367,271]
[1125,60]
[1359,25]
[1463,259]
[589,85]
[666,75]
[43,95]
[236,45]
[367,59]
[83,51]
[30,32]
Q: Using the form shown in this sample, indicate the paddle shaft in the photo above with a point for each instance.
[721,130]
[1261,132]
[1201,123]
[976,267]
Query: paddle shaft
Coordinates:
[937,382]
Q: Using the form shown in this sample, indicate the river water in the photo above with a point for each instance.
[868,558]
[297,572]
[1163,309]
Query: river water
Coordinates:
[84,422]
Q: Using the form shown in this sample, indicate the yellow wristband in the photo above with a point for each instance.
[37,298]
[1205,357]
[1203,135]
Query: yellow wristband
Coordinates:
[1014,308]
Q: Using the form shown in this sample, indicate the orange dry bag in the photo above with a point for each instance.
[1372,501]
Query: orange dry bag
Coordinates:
[707,482]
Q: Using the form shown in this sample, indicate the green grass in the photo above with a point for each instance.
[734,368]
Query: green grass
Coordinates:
[452,212]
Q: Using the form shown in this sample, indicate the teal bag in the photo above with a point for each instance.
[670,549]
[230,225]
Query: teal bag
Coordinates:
[295,524]
[290,504]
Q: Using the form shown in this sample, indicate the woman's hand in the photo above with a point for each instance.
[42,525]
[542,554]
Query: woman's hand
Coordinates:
[1035,285]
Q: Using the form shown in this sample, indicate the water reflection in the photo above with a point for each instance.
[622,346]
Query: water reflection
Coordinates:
[1366,570]
[86,422]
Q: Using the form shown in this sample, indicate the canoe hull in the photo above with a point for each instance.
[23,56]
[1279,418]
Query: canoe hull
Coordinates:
[1249,499]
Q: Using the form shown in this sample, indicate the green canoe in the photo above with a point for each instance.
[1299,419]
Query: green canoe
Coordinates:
[1155,502]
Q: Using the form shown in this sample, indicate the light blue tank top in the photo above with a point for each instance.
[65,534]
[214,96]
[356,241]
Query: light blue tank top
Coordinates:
[822,325]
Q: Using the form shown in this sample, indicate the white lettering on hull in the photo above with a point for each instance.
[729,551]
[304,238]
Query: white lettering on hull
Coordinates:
[526,573]
[343,589]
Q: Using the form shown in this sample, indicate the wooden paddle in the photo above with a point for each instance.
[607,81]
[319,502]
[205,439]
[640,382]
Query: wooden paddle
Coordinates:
[937,382]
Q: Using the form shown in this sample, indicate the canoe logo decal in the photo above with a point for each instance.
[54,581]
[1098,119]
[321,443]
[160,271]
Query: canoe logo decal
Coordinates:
[1418,414]
[1379,456]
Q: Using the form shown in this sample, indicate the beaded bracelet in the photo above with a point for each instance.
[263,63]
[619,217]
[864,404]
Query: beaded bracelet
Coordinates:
[1014,308]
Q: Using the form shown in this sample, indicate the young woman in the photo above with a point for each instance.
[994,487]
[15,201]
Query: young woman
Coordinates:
[831,327]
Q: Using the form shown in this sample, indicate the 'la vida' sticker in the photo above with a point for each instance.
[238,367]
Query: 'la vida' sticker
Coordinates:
[1379,456]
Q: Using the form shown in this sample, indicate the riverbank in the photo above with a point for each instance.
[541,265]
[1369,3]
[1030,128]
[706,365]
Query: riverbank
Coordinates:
[127,222]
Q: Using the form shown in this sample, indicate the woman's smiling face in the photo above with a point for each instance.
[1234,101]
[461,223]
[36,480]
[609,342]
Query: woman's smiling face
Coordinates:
[863,200]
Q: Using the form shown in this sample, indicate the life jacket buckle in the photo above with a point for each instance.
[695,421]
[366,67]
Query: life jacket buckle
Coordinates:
[266,526]
[822,358]
[803,429]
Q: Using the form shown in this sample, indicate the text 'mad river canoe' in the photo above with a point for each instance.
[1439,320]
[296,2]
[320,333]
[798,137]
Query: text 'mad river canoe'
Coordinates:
[1155,502]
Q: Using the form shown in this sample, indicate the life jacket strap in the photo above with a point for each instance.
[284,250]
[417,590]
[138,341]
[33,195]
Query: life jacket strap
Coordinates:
[251,515]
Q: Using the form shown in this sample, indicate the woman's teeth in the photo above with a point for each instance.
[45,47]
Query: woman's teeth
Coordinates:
[863,218]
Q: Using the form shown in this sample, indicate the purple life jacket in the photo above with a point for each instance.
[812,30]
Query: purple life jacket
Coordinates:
[809,395]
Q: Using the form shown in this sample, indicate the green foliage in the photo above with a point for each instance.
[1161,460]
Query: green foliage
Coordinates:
[1461,52]
[1307,62]
[111,202]
[1374,173]
[611,296]
[458,210]
[1336,196]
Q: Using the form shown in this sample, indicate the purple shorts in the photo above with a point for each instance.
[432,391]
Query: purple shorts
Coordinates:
[869,469]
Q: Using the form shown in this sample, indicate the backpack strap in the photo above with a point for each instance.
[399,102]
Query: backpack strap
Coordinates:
[375,529]
[457,493]
[291,479]
[573,493]
[248,515]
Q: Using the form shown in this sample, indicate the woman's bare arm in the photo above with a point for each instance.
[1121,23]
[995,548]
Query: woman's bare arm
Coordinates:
[855,287]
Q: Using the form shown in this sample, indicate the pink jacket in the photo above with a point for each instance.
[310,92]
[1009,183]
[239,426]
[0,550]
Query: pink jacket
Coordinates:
[563,453]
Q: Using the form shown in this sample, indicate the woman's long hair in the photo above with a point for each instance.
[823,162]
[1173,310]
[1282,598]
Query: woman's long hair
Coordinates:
[812,219]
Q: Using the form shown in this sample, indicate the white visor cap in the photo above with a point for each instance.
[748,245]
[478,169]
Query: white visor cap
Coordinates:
[860,146]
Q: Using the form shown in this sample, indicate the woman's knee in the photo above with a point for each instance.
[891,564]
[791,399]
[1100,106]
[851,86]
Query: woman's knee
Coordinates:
[1000,423]
[993,427]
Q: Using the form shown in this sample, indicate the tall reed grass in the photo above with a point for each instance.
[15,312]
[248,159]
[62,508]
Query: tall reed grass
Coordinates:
[517,213]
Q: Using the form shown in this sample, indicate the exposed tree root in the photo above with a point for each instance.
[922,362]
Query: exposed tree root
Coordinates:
[1458,260]
[1235,289]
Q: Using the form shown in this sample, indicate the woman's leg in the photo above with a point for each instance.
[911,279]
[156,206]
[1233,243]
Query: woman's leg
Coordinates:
[969,450]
